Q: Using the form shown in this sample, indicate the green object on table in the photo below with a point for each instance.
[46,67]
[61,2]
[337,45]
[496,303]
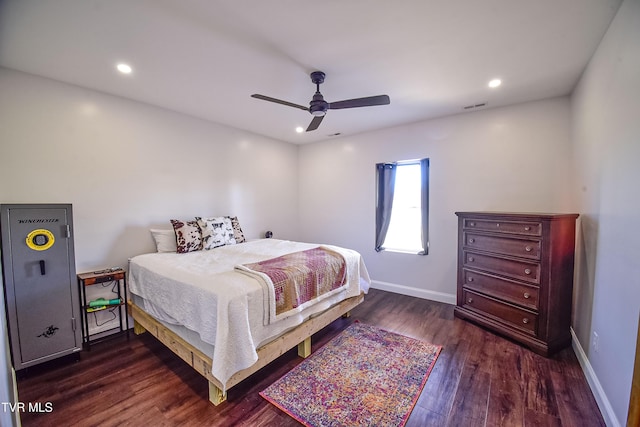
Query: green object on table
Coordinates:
[102,302]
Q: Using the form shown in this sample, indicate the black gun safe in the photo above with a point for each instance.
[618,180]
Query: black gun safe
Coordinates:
[38,266]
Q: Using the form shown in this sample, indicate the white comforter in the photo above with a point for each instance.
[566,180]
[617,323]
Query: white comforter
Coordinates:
[201,290]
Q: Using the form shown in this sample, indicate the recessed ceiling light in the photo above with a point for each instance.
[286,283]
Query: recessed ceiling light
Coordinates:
[299,129]
[495,83]
[124,68]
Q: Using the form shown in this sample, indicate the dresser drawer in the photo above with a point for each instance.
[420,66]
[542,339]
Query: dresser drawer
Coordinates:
[517,293]
[526,228]
[506,313]
[521,270]
[526,248]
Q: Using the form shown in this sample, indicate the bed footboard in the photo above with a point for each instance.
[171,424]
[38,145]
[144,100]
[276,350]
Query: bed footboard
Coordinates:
[300,336]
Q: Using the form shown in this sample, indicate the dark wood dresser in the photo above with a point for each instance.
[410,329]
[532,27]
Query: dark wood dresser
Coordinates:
[515,275]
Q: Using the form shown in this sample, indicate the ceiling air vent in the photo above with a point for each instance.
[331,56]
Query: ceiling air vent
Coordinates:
[474,106]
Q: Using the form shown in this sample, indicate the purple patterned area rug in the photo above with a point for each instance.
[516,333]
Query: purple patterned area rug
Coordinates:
[363,377]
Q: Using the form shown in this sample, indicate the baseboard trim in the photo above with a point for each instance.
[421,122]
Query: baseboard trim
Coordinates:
[596,388]
[414,292]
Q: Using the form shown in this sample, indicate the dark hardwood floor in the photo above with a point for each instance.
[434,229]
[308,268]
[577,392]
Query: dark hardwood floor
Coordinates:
[480,379]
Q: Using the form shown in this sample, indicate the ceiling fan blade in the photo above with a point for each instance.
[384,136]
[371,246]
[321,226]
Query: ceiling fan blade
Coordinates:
[315,123]
[360,102]
[279,101]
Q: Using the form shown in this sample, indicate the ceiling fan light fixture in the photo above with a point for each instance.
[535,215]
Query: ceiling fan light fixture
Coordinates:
[318,113]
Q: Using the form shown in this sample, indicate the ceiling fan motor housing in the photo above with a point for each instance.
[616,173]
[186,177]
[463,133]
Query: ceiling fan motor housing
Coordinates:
[318,106]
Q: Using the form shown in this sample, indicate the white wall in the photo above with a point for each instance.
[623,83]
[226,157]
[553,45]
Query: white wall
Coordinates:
[127,166]
[606,137]
[504,159]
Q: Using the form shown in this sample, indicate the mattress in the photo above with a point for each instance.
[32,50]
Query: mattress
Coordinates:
[219,310]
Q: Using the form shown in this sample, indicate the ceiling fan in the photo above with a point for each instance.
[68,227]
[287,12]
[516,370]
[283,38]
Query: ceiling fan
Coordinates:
[318,106]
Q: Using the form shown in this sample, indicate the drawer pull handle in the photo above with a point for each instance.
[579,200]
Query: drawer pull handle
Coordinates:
[528,248]
[497,224]
[472,224]
[527,228]
[525,320]
[469,279]
[470,300]
[472,240]
[527,271]
[527,295]
[471,259]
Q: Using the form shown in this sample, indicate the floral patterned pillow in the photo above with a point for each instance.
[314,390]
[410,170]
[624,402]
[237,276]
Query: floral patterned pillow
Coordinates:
[188,235]
[216,231]
[237,231]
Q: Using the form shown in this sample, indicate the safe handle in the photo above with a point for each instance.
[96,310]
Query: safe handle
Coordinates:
[42,269]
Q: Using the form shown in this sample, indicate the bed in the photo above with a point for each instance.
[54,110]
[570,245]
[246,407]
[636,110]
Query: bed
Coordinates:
[214,311]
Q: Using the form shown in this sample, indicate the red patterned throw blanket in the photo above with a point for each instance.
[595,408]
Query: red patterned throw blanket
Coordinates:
[295,281]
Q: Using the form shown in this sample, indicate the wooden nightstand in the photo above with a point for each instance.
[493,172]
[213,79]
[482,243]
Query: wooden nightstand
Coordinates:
[113,300]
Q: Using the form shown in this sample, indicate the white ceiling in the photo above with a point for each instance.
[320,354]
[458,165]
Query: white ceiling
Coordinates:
[205,58]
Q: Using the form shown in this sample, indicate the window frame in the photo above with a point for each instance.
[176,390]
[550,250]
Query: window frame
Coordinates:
[385,193]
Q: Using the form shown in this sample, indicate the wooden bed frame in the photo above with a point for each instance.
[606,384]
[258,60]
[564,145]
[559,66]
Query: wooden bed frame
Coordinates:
[300,336]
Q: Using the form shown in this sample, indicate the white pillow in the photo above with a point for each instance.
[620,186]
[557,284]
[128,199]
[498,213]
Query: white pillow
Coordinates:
[216,231]
[165,240]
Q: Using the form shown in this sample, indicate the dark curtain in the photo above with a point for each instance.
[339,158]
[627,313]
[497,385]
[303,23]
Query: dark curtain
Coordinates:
[385,183]
[424,171]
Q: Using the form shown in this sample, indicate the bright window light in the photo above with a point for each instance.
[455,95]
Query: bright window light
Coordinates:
[404,234]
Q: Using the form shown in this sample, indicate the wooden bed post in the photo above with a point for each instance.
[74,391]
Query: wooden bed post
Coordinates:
[138,328]
[216,395]
[304,348]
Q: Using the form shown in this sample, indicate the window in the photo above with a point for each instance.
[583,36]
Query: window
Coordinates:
[402,206]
